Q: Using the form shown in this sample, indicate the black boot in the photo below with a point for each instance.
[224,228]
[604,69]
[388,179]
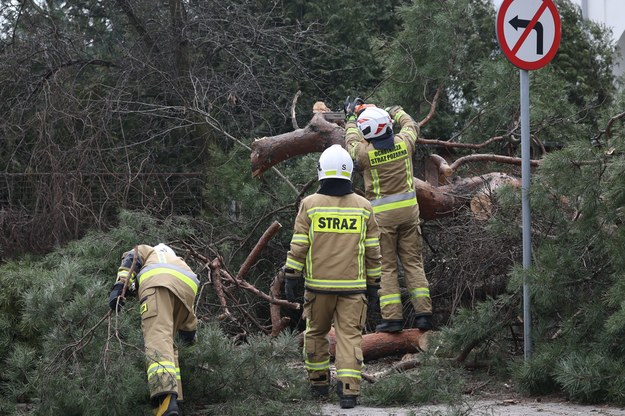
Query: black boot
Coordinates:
[320,391]
[347,402]
[424,323]
[166,405]
[390,325]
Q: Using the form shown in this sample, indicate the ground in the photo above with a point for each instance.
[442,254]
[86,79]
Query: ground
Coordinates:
[488,397]
[482,406]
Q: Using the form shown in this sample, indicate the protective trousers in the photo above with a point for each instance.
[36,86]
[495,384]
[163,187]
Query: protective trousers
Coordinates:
[348,312]
[162,315]
[400,237]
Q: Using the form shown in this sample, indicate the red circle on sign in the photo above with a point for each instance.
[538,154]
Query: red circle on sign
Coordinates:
[510,54]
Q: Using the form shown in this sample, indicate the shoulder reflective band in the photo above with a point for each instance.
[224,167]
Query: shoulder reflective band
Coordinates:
[379,157]
[186,276]
[387,203]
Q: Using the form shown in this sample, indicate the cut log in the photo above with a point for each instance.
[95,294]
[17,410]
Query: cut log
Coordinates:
[315,137]
[381,344]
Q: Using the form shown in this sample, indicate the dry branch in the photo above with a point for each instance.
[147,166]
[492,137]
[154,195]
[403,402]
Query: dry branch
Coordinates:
[260,245]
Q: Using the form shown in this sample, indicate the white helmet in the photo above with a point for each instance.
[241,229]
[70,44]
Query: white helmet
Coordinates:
[164,248]
[335,162]
[374,122]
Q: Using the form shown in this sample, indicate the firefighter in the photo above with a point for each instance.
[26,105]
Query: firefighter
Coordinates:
[335,246]
[166,288]
[385,160]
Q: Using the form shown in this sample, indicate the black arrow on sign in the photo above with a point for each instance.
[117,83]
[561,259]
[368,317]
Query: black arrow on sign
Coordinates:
[538,27]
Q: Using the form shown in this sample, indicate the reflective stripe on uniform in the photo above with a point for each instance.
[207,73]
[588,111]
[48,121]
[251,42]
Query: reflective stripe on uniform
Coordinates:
[184,275]
[122,274]
[393,298]
[294,264]
[375,183]
[162,367]
[300,238]
[420,292]
[372,242]
[319,366]
[390,202]
[348,373]
[338,210]
[336,284]
[375,272]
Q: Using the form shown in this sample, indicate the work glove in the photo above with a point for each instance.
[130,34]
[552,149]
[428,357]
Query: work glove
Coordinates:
[392,110]
[353,109]
[186,337]
[115,293]
[372,295]
[291,279]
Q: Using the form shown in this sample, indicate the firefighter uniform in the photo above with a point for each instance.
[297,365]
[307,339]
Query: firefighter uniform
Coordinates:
[166,289]
[335,245]
[389,185]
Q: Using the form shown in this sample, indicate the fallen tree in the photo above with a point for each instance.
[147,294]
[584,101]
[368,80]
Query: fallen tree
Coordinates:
[435,200]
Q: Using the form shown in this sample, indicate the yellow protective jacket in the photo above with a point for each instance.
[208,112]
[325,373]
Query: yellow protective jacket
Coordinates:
[154,268]
[388,174]
[336,244]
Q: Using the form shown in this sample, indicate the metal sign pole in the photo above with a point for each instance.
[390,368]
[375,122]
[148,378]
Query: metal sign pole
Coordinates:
[525,208]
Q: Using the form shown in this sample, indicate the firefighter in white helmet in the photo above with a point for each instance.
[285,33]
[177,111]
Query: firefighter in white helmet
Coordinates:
[335,247]
[160,278]
[385,160]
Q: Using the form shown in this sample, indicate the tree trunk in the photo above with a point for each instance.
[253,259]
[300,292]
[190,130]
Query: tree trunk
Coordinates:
[434,201]
[382,344]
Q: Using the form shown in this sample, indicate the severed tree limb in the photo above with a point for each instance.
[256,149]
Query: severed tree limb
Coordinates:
[433,106]
[278,323]
[317,135]
[253,289]
[260,245]
[399,367]
[219,290]
[491,158]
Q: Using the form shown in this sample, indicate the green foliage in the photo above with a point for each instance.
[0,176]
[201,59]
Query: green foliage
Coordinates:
[57,338]
[480,88]
[435,381]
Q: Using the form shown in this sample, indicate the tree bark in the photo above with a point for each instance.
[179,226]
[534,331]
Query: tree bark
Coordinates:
[434,201]
[315,137]
[382,344]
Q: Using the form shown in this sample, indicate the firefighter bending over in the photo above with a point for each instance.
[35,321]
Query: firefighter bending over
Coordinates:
[166,288]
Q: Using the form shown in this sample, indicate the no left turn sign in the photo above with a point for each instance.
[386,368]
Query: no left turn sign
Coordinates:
[528,32]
